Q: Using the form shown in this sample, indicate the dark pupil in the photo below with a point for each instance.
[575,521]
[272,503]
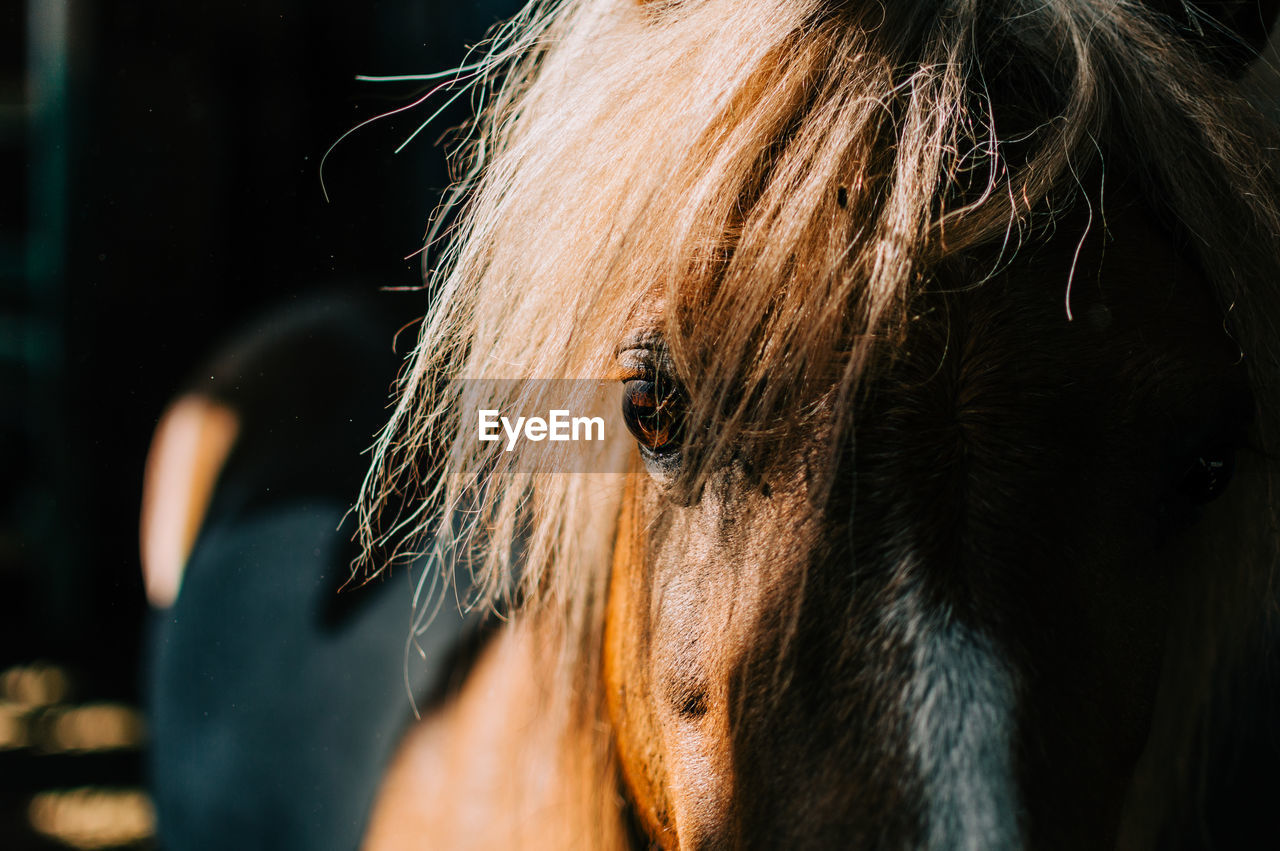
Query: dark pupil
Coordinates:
[1208,475]
[651,412]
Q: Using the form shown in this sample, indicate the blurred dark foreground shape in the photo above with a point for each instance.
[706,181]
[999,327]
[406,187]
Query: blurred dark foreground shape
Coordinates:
[276,699]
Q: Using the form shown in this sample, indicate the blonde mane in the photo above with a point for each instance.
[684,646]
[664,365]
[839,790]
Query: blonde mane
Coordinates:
[781,177]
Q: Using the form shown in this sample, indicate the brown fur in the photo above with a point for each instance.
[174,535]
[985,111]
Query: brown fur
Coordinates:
[867,233]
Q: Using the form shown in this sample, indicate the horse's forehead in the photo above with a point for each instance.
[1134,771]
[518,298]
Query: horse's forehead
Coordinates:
[1082,301]
[1102,273]
[1075,353]
[1105,284]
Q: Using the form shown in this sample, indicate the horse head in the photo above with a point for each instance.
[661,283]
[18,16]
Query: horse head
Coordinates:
[942,330]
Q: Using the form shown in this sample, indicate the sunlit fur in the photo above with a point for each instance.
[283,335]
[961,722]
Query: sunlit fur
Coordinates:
[784,177]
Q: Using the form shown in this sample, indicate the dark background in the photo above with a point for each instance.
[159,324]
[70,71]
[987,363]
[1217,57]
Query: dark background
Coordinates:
[158,188]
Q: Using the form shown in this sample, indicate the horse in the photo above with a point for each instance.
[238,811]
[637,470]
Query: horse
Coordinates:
[944,334]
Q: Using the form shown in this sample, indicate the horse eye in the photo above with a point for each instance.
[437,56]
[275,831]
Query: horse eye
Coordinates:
[654,411]
[1209,474]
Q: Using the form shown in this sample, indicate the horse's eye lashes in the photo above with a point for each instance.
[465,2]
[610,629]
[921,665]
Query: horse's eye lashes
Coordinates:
[638,372]
[644,357]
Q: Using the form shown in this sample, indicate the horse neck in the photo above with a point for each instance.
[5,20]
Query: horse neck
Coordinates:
[504,763]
